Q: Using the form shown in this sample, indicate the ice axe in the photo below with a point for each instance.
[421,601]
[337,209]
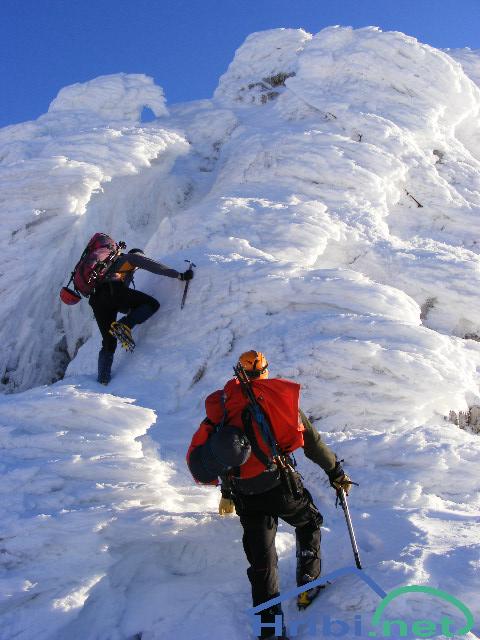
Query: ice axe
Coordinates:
[185,291]
[342,498]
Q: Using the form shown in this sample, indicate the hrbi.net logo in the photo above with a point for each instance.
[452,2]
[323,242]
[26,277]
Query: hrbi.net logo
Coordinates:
[420,628]
[377,626]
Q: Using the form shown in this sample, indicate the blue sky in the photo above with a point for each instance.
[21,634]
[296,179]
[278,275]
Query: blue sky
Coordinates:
[184,44]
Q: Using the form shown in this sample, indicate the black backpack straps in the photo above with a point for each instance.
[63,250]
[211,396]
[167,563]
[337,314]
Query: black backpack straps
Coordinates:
[258,414]
[224,417]
[250,433]
[72,275]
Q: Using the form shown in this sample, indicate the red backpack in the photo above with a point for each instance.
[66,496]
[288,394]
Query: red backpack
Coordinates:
[92,267]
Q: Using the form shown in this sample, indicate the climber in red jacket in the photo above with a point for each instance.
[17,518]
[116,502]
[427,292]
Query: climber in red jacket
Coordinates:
[262,488]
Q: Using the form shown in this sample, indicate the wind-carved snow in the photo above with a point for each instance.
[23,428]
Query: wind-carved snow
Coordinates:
[332,212]
[470,61]
[81,472]
[119,97]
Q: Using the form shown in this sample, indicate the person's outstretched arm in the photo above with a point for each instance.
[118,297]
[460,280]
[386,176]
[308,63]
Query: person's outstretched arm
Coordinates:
[140,261]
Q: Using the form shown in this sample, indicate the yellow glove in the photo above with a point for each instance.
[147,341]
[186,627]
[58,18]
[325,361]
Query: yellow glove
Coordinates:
[342,482]
[226,506]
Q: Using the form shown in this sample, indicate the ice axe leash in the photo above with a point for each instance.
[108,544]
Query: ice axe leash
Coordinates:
[185,291]
[342,498]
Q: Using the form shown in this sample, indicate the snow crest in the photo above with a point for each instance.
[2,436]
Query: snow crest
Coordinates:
[118,97]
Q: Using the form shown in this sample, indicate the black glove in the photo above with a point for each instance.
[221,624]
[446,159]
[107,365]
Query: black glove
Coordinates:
[339,479]
[186,275]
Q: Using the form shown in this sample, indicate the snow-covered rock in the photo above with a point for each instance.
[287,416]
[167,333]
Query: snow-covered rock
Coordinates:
[261,65]
[118,97]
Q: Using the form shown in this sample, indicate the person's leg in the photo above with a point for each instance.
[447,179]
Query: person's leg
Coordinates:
[141,306]
[302,514]
[105,310]
[105,313]
[259,532]
[105,361]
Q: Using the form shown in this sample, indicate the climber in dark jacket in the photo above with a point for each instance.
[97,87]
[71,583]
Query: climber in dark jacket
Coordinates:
[114,296]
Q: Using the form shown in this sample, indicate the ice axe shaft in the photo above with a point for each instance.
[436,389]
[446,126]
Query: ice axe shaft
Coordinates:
[342,496]
[185,291]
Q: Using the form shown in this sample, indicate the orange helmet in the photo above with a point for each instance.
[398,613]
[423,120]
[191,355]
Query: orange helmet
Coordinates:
[254,363]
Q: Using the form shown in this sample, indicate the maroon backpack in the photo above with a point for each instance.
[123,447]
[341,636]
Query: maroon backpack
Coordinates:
[92,267]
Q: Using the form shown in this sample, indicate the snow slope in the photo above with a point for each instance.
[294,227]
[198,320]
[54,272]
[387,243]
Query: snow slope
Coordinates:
[296,191]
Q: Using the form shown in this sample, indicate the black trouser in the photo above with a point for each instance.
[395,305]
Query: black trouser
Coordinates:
[259,517]
[111,298]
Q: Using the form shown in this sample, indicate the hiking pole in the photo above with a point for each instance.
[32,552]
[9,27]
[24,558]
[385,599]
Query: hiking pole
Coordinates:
[185,291]
[342,496]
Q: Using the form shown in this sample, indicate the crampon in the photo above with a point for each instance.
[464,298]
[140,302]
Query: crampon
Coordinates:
[306,598]
[123,334]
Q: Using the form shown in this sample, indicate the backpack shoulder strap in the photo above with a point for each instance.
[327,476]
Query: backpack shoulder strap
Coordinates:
[250,433]
[220,424]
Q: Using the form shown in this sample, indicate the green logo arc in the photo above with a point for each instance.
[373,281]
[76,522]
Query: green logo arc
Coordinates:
[431,591]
